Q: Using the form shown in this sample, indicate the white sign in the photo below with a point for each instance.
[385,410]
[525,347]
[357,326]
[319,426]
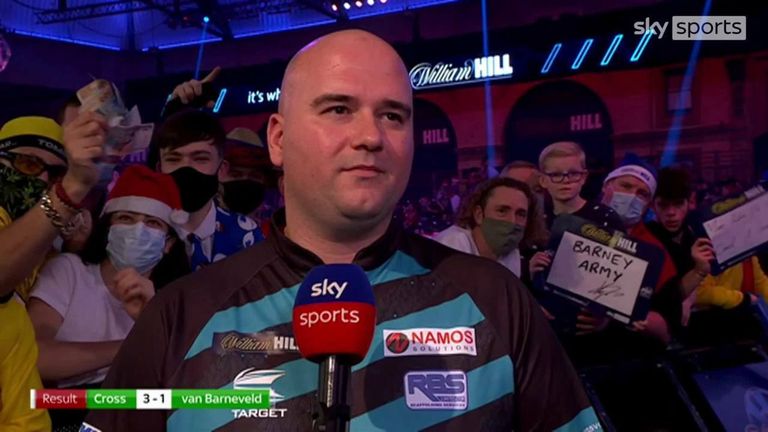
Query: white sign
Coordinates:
[598,272]
[427,75]
[259,97]
[741,229]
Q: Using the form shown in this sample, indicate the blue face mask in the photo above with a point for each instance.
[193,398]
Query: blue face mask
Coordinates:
[629,207]
[135,246]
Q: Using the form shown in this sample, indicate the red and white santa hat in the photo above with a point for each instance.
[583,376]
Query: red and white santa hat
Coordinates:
[141,190]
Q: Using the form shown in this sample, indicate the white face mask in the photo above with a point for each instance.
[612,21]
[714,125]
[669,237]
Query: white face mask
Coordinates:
[629,207]
[136,246]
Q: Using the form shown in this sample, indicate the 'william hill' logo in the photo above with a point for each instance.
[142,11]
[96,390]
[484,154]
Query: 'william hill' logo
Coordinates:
[626,244]
[721,207]
[261,343]
[596,233]
[426,75]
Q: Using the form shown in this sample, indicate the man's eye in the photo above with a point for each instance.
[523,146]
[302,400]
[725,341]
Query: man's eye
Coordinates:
[394,117]
[338,109]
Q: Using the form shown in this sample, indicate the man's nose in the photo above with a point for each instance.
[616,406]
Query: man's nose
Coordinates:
[369,135]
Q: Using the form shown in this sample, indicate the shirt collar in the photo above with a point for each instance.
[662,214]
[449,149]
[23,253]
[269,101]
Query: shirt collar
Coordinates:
[207,228]
[302,260]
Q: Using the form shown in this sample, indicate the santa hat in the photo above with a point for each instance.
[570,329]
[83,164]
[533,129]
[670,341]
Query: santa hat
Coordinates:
[633,166]
[141,190]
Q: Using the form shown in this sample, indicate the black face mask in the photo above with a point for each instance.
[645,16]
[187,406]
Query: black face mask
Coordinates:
[195,187]
[19,192]
[243,196]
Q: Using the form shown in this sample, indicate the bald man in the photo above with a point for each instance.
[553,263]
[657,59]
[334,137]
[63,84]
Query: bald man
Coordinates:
[344,138]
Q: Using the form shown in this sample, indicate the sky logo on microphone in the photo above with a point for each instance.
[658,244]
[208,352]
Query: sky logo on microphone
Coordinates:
[334,312]
[436,390]
[328,288]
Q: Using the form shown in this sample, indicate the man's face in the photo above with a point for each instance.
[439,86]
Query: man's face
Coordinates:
[505,203]
[569,172]
[527,175]
[671,213]
[629,185]
[345,134]
[200,155]
[44,156]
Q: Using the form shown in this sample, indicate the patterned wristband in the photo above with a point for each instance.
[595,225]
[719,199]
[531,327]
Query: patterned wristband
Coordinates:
[61,194]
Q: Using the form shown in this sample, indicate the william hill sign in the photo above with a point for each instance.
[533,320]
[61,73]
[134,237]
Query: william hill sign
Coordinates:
[428,75]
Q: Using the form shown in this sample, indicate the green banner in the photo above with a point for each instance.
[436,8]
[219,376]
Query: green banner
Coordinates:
[110,399]
[220,399]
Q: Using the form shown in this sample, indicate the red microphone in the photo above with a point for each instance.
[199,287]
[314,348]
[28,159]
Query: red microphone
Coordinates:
[334,318]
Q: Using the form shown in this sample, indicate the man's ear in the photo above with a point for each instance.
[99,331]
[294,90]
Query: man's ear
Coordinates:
[540,181]
[275,133]
[477,214]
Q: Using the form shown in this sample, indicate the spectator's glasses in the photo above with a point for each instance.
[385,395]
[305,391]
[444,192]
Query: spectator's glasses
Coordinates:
[32,165]
[566,176]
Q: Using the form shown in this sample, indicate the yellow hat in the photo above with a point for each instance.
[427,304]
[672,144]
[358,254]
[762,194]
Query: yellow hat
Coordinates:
[39,132]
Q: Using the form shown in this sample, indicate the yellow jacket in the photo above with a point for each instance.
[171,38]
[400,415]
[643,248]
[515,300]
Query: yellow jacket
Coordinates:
[18,372]
[25,287]
[725,289]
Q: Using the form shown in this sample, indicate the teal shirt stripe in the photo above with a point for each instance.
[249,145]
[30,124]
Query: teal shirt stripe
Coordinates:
[485,384]
[585,421]
[301,375]
[277,308]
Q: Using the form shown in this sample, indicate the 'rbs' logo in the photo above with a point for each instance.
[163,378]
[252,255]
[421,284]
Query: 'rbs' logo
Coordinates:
[328,289]
[436,390]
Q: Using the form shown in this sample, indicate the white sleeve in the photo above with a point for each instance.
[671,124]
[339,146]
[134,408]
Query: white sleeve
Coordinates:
[56,283]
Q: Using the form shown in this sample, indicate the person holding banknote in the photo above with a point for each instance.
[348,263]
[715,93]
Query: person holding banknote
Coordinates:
[45,173]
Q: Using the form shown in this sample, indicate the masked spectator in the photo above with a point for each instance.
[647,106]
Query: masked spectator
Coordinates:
[82,308]
[243,184]
[529,174]
[629,190]
[45,174]
[495,223]
[190,146]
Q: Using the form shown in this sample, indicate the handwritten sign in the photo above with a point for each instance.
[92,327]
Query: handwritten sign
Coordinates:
[605,270]
[597,272]
[738,227]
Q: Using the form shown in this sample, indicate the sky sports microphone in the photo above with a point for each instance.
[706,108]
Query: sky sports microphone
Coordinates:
[334,317]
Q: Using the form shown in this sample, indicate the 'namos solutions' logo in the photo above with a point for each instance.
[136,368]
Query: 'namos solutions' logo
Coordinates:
[430,341]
